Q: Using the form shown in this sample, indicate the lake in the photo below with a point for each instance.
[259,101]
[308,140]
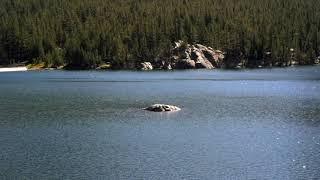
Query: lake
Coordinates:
[246,124]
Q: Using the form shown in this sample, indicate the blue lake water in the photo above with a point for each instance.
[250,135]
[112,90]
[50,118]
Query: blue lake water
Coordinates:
[248,124]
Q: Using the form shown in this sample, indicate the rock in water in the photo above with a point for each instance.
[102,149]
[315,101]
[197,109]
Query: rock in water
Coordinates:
[162,108]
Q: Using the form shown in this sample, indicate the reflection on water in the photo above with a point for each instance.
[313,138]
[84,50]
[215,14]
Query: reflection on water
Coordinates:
[251,124]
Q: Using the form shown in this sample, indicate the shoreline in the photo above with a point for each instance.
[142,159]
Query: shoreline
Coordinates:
[39,68]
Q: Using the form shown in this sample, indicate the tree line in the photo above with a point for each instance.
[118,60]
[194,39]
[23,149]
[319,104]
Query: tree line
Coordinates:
[86,34]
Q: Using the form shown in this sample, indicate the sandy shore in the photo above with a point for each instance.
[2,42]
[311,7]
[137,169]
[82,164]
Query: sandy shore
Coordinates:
[12,69]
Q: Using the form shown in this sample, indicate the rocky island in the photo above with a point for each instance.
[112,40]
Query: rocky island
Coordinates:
[162,108]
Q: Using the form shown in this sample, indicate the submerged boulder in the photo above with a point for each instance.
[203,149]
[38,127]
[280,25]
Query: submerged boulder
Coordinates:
[162,108]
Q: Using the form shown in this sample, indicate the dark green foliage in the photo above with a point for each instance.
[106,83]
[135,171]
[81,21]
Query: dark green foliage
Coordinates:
[83,34]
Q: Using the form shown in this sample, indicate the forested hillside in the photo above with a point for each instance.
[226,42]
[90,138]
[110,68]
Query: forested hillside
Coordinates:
[85,34]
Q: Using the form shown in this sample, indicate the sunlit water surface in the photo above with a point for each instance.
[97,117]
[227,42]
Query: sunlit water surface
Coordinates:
[250,124]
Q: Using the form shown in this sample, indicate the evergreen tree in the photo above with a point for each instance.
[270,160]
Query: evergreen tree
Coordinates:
[85,34]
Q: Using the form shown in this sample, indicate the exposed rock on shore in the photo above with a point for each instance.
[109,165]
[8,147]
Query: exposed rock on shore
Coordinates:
[196,56]
[162,108]
[146,66]
[186,56]
[317,61]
